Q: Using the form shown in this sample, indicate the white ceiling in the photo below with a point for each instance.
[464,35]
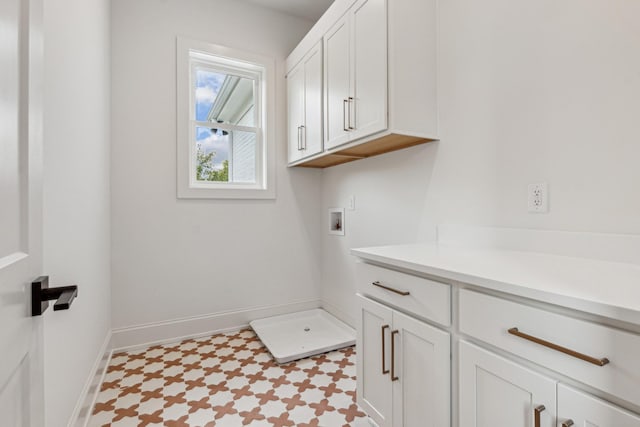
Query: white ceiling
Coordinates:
[307,9]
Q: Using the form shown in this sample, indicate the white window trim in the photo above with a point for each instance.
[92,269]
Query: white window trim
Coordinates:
[266,124]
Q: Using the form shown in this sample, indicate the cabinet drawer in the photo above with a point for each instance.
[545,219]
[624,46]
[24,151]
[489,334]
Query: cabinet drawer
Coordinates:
[422,297]
[490,319]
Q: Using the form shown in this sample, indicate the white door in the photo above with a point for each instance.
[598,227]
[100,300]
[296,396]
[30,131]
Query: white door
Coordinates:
[295,103]
[337,83]
[368,103]
[373,354]
[495,392]
[421,392]
[21,378]
[584,410]
[312,131]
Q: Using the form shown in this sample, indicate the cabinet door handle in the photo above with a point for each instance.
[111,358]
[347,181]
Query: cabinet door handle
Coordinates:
[384,371]
[556,347]
[303,137]
[350,101]
[344,113]
[403,293]
[393,356]
[536,415]
[567,423]
[299,140]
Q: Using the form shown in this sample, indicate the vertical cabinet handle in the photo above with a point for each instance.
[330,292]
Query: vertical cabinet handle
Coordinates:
[349,103]
[393,357]
[567,423]
[384,363]
[299,140]
[303,137]
[344,113]
[536,415]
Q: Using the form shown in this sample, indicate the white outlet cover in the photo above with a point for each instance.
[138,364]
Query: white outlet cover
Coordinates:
[352,203]
[538,198]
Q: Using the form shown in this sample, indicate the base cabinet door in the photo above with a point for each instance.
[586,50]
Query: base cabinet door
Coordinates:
[404,368]
[578,409]
[373,359]
[421,373]
[495,392]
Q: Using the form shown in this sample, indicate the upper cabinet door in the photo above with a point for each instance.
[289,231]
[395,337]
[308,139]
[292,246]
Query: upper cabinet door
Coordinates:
[337,54]
[587,411]
[495,392]
[312,132]
[295,103]
[368,102]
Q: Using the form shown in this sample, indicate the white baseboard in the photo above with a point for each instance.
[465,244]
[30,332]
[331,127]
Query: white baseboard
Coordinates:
[175,330]
[84,407]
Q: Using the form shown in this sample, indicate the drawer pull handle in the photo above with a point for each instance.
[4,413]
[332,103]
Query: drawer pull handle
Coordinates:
[384,371]
[403,293]
[393,356]
[593,360]
[536,414]
[567,423]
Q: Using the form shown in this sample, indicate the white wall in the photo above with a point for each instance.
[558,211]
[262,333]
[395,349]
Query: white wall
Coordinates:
[528,92]
[180,258]
[76,195]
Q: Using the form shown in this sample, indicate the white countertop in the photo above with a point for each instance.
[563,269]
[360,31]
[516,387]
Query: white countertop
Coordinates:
[609,289]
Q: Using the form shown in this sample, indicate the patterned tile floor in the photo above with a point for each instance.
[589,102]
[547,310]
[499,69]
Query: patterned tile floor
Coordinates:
[227,380]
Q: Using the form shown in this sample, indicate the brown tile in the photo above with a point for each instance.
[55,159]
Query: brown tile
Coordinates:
[216,364]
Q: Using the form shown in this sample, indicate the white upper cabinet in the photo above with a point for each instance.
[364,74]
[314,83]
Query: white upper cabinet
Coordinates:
[337,54]
[368,103]
[379,73]
[356,74]
[304,99]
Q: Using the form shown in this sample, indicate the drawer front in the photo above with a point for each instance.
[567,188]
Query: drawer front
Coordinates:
[422,297]
[490,319]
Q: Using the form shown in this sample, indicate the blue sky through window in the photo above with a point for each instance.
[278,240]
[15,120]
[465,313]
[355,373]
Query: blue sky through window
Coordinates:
[206,90]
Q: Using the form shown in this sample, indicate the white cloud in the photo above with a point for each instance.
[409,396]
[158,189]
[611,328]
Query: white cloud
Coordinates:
[219,144]
[205,95]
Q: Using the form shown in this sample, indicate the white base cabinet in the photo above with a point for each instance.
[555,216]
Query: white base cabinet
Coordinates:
[579,409]
[502,346]
[403,368]
[495,392]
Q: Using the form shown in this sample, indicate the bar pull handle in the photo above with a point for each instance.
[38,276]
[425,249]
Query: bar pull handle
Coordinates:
[41,294]
[556,347]
[344,113]
[384,371]
[567,423]
[536,415]
[393,356]
[303,137]
[350,101]
[403,293]
[299,140]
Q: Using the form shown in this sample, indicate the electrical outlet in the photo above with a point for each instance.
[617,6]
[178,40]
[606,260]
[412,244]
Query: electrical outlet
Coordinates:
[352,203]
[538,198]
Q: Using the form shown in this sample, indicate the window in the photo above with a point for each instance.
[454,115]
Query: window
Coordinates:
[225,123]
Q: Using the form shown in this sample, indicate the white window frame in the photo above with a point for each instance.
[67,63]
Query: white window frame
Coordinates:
[257,67]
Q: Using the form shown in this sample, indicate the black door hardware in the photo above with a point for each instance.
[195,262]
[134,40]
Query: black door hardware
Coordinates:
[41,293]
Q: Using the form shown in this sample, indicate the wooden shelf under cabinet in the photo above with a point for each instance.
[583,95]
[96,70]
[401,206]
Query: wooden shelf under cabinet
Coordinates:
[384,144]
